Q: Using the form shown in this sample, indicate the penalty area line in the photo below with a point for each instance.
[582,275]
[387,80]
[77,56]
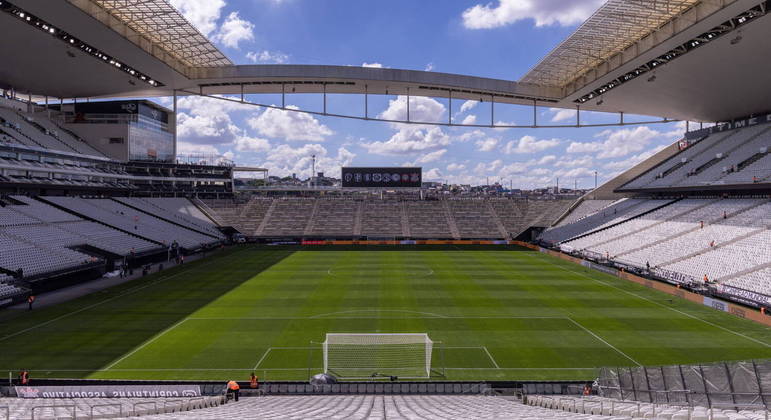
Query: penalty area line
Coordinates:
[606,343]
[491,357]
[264,355]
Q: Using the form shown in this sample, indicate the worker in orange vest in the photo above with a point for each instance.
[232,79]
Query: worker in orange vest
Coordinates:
[233,388]
[253,383]
[30,301]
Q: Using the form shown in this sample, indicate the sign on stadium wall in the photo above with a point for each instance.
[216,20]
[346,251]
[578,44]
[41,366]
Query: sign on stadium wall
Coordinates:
[108,391]
[733,125]
[745,295]
[395,177]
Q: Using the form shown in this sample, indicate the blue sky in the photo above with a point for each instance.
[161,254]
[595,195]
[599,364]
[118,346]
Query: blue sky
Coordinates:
[500,39]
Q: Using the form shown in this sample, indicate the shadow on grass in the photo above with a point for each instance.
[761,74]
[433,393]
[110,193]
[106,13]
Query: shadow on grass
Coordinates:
[79,337]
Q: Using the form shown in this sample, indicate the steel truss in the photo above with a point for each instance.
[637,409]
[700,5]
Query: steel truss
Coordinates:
[449,123]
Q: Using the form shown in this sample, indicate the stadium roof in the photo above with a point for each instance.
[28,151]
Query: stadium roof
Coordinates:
[679,59]
[159,22]
[611,29]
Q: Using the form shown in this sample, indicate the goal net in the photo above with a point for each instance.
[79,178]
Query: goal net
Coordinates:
[350,356]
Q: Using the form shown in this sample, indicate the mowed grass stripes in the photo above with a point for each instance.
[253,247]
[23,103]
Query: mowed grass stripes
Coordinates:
[499,313]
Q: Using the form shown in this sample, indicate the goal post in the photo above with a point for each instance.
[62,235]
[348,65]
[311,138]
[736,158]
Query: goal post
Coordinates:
[359,356]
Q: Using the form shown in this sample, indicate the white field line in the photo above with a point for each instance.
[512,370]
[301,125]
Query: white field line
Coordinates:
[127,292]
[601,339]
[270,318]
[654,302]
[491,357]
[156,336]
[264,355]
[378,310]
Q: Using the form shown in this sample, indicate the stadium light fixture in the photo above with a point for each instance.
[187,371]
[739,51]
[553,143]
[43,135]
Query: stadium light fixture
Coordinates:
[68,39]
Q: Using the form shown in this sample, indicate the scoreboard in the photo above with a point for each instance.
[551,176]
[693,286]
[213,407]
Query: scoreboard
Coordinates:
[396,177]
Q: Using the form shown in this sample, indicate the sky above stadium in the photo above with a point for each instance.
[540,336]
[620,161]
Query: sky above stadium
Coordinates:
[499,39]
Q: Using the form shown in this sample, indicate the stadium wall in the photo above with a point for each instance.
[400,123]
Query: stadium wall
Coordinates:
[733,309]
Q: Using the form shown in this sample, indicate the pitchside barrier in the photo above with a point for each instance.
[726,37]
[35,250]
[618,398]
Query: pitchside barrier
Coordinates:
[728,384]
[731,308]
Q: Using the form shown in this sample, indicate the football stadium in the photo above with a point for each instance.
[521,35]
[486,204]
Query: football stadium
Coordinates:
[144,273]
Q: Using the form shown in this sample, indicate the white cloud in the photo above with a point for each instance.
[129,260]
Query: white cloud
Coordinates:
[421,109]
[372,65]
[455,167]
[542,12]
[488,168]
[562,114]
[265,56]
[434,174]
[184,148]
[546,160]
[429,67]
[573,163]
[529,144]
[290,126]
[233,31]
[468,106]
[411,139]
[203,14]
[616,143]
[207,120]
[486,145]
[469,120]
[470,135]
[625,164]
[251,144]
[285,160]
[431,157]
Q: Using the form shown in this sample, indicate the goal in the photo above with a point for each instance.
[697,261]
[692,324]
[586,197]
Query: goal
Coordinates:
[359,356]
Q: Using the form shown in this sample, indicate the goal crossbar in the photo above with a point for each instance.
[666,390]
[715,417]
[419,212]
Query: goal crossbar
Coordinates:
[362,355]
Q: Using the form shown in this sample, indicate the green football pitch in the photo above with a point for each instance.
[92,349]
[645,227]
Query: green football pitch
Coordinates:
[500,313]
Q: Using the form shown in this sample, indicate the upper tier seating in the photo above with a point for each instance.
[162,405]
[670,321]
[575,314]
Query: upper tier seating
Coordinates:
[66,137]
[32,134]
[719,159]
[585,208]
